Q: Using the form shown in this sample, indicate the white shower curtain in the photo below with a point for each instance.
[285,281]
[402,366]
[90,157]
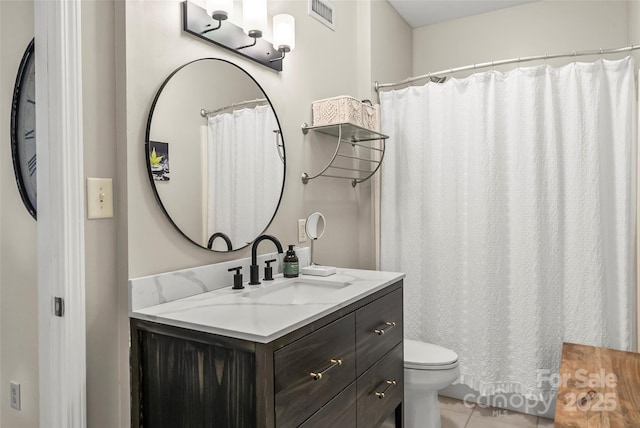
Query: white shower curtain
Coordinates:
[508,200]
[245,173]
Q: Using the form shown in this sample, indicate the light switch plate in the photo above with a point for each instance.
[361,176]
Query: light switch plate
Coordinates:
[99,198]
[302,233]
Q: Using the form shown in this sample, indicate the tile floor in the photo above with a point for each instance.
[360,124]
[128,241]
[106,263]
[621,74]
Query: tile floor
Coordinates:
[455,414]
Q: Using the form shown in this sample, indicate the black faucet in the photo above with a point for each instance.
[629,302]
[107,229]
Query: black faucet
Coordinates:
[254,273]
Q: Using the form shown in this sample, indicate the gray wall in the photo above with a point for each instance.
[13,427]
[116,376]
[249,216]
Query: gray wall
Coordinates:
[99,127]
[18,280]
[531,29]
[128,49]
[18,287]
[324,64]
[391,45]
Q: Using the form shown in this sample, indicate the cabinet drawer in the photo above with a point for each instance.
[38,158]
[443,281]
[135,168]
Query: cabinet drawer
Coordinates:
[378,395]
[378,329]
[329,353]
[339,412]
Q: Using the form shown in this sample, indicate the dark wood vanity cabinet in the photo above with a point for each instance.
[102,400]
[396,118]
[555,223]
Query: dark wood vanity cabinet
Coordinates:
[343,370]
[317,366]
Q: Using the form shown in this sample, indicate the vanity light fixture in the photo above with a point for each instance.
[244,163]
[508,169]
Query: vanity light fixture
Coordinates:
[284,34]
[208,24]
[219,10]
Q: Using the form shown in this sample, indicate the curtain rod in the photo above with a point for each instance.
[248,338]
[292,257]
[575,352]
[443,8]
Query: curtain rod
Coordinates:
[574,54]
[205,113]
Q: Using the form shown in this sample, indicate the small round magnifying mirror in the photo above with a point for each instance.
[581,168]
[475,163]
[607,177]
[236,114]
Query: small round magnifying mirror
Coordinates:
[315,226]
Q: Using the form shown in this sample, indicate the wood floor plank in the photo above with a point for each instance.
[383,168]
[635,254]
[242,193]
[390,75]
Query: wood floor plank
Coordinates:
[600,388]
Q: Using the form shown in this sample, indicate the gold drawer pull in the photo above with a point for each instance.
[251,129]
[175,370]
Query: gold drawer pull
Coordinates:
[389,384]
[382,330]
[334,363]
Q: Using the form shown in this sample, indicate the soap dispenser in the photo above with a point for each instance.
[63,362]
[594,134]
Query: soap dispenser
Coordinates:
[291,268]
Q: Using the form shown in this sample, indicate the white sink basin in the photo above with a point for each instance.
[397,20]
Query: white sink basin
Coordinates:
[296,291]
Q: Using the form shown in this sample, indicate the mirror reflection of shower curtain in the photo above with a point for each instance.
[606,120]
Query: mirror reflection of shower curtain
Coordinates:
[509,201]
[245,173]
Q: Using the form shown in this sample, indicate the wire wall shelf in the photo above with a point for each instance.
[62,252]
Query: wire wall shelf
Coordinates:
[360,140]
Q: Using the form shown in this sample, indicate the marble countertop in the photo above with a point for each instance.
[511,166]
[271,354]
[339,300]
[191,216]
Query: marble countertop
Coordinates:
[265,312]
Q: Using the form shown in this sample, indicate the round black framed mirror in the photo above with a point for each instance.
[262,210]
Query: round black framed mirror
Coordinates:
[215,154]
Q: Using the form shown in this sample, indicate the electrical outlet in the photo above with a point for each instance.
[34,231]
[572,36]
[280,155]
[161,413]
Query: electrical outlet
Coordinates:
[14,394]
[302,233]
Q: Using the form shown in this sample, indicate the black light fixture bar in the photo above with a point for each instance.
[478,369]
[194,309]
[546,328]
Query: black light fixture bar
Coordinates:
[196,21]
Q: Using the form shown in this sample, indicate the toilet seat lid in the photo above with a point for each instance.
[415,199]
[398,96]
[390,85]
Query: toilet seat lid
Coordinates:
[427,355]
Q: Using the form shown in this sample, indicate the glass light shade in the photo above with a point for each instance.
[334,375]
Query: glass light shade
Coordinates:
[220,7]
[284,31]
[254,15]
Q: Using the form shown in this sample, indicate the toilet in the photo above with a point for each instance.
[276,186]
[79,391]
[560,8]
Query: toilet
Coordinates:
[427,369]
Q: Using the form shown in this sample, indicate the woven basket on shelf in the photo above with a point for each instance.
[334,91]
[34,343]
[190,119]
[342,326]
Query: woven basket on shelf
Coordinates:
[370,116]
[337,110]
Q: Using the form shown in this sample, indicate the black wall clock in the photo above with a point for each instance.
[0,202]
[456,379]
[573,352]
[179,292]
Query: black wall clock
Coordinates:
[23,130]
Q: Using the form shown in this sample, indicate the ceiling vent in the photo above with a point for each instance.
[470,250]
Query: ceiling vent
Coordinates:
[323,11]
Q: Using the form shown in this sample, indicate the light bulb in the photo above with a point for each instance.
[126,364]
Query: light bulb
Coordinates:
[255,17]
[284,32]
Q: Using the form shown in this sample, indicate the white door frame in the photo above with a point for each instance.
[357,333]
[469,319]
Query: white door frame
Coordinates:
[60,228]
